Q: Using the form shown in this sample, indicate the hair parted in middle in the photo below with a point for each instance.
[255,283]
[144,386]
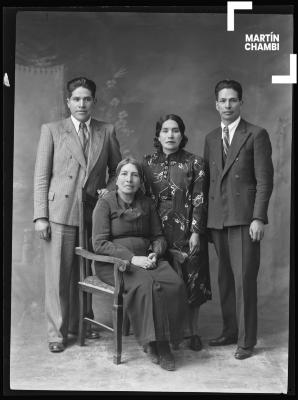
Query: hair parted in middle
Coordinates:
[133,161]
[159,124]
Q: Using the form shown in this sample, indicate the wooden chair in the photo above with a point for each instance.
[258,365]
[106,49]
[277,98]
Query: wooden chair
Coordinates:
[90,284]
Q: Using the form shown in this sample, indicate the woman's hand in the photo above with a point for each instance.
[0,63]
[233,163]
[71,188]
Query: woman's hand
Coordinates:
[194,244]
[143,262]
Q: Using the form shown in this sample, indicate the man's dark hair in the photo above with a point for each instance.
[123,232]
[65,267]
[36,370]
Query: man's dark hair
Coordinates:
[181,126]
[228,84]
[80,82]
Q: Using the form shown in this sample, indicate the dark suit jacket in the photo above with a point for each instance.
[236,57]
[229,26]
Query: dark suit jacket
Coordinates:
[61,170]
[239,192]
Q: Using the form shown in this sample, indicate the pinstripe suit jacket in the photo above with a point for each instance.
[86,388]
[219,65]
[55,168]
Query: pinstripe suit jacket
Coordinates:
[61,169]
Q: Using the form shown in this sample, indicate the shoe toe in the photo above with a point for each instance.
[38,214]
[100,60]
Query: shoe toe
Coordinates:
[195,343]
[56,347]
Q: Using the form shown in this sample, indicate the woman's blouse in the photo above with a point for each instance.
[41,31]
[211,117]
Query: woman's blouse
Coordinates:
[123,231]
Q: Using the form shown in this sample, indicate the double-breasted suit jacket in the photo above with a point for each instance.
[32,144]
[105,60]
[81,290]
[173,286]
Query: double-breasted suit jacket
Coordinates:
[62,170]
[240,191]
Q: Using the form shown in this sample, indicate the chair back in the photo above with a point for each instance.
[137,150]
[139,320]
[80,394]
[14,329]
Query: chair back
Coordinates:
[86,206]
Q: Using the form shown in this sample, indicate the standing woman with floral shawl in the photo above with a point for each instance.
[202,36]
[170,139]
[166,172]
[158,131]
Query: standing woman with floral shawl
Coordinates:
[176,180]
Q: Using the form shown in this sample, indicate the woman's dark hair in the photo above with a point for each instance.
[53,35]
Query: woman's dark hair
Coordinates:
[81,82]
[159,124]
[132,161]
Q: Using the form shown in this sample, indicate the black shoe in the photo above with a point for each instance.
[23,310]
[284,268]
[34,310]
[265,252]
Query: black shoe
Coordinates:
[222,341]
[166,358]
[56,347]
[151,350]
[92,335]
[242,353]
[195,343]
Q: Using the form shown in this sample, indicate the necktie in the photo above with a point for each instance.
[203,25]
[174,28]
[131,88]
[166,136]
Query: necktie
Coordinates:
[83,132]
[226,140]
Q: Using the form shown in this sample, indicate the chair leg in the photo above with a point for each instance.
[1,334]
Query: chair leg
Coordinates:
[126,324]
[82,323]
[117,324]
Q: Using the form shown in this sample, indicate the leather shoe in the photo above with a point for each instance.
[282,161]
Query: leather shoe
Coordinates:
[195,343]
[92,335]
[242,353]
[222,341]
[56,347]
[152,353]
[167,362]
[166,358]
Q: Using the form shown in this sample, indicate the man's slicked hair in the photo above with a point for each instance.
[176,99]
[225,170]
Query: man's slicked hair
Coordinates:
[81,82]
[228,84]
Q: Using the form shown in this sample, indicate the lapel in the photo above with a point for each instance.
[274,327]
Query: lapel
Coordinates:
[96,144]
[73,142]
[240,136]
[218,149]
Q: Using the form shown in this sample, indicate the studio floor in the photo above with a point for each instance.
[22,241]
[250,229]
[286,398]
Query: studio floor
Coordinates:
[213,369]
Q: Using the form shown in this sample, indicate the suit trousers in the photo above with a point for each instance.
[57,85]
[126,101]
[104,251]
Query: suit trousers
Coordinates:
[61,282]
[239,260]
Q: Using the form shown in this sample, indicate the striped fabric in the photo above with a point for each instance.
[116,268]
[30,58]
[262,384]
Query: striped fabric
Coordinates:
[226,140]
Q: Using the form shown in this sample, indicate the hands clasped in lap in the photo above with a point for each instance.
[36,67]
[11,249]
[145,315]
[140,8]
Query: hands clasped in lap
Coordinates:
[145,262]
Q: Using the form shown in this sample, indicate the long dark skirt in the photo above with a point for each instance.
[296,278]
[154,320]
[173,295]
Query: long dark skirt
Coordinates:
[155,301]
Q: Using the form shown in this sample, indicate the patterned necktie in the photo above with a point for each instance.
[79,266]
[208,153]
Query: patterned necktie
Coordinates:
[226,140]
[83,132]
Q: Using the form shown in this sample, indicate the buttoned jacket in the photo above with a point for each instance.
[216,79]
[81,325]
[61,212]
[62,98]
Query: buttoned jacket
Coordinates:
[239,191]
[62,170]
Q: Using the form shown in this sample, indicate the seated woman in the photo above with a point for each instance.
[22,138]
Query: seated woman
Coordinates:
[126,225]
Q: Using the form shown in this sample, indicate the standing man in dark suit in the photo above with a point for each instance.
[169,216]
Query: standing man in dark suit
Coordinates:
[72,154]
[238,155]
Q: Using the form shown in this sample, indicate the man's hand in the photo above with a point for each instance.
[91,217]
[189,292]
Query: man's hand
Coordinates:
[102,192]
[256,230]
[194,244]
[42,226]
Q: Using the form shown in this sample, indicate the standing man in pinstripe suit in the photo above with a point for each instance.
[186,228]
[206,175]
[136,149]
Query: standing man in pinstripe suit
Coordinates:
[72,154]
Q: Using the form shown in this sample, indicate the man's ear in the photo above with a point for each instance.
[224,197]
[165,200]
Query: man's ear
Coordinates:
[95,100]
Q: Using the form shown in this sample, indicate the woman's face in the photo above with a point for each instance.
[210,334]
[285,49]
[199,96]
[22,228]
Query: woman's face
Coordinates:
[128,180]
[170,136]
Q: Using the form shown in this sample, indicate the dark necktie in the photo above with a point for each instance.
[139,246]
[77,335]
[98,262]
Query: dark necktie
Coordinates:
[226,140]
[83,132]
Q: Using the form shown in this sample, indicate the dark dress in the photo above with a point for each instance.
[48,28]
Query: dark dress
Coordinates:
[155,300]
[177,184]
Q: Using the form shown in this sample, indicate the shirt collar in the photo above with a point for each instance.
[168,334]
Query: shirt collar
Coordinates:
[232,127]
[77,123]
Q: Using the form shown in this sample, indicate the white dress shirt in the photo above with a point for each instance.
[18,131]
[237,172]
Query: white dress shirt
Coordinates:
[232,128]
[77,125]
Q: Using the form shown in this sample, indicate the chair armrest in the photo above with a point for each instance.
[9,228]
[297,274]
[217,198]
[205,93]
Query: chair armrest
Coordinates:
[122,265]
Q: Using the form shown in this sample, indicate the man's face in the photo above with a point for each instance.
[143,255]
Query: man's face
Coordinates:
[228,105]
[81,103]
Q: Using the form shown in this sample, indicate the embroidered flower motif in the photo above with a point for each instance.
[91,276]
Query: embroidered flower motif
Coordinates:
[199,199]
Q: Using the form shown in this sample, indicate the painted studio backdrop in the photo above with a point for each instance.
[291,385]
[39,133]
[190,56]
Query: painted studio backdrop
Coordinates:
[144,65]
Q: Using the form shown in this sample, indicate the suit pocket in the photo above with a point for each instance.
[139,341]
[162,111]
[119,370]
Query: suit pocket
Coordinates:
[51,195]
